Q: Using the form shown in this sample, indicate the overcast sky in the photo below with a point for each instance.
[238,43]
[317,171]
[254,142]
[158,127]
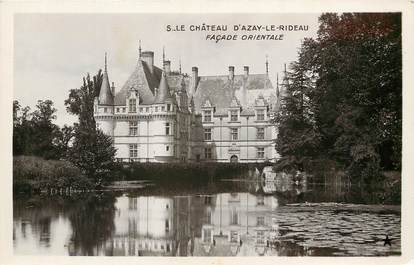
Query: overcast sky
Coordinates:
[53,52]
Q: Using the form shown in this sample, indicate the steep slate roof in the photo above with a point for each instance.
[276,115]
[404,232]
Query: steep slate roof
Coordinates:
[220,90]
[143,80]
[174,82]
[105,94]
[163,94]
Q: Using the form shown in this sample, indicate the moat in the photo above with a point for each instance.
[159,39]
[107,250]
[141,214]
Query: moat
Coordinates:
[231,218]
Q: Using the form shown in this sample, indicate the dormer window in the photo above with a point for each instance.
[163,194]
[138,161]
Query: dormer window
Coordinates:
[132,105]
[207,115]
[234,115]
[260,115]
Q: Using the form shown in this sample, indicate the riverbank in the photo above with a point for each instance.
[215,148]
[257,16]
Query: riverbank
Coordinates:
[34,174]
[37,175]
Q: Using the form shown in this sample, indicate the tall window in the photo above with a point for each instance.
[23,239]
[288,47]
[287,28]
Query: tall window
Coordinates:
[167,128]
[207,134]
[260,115]
[260,152]
[207,115]
[167,225]
[133,128]
[168,107]
[234,134]
[234,217]
[234,115]
[260,237]
[260,200]
[207,153]
[234,236]
[105,110]
[132,105]
[209,215]
[260,133]
[207,235]
[260,220]
[133,150]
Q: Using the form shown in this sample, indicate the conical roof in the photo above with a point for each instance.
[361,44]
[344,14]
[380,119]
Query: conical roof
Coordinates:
[163,93]
[105,94]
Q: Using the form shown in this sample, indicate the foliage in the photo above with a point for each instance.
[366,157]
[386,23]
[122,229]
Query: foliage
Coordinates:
[298,138]
[80,101]
[353,99]
[32,173]
[34,132]
[92,151]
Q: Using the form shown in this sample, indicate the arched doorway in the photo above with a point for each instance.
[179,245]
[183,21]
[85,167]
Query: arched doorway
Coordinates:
[234,159]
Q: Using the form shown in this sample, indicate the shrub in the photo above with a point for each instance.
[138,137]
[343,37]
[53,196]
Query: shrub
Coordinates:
[36,174]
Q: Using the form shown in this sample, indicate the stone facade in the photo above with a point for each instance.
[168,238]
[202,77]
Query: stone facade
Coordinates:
[161,115]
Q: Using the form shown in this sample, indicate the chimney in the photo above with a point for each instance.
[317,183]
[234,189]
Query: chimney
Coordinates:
[167,67]
[231,72]
[148,58]
[246,71]
[194,79]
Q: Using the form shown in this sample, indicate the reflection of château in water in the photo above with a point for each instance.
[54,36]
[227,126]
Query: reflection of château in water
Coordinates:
[219,225]
[236,223]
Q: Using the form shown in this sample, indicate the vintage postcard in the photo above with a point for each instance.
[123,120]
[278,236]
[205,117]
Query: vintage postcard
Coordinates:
[257,134]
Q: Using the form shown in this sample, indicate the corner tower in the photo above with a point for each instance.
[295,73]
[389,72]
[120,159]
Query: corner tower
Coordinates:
[104,105]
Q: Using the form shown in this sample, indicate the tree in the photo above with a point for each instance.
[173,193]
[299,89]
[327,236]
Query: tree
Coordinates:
[92,151]
[63,140]
[80,101]
[298,138]
[360,75]
[356,99]
[34,133]
[44,131]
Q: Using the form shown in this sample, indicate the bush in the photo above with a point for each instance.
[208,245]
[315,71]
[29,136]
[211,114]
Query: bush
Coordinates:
[35,174]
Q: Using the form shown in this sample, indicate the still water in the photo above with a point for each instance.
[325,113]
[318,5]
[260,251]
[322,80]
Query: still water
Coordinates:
[231,218]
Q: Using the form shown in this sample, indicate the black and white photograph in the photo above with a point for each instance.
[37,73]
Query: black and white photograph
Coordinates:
[207,134]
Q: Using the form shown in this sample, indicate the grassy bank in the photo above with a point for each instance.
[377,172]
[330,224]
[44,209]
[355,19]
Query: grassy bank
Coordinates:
[35,174]
[188,173]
